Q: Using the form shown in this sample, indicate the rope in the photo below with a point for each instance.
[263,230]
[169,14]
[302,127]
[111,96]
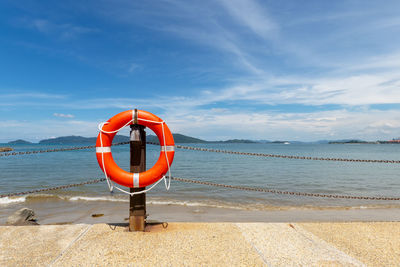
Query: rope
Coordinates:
[109,182]
[243,188]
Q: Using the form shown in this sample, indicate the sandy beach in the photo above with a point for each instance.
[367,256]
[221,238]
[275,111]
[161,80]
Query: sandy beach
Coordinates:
[211,244]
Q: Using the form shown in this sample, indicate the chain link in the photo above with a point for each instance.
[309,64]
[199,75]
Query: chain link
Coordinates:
[211,150]
[244,188]
[281,156]
[257,189]
[54,150]
[53,188]
[266,190]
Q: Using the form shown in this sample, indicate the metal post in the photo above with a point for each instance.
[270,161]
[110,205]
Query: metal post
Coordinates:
[137,203]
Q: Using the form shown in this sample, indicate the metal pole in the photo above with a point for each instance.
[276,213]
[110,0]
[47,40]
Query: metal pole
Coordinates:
[137,203]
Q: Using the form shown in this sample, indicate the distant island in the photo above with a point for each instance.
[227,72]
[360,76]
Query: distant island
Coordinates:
[352,142]
[72,139]
[236,141]
[178,138]
[19,142]
[182,139]
[355,141]
[393,141]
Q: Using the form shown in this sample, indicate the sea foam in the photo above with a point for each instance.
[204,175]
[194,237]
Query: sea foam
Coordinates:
[11,200]
[80,198]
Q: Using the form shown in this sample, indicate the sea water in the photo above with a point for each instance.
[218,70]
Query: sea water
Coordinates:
[27,172]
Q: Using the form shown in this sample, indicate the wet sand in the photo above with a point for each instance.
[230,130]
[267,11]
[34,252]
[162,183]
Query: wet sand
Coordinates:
[74,212]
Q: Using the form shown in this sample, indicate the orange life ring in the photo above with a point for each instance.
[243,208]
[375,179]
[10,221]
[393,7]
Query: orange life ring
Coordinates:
[107,163]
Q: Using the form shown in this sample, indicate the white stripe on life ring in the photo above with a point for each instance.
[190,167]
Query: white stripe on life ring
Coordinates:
[133,115]
[136,180]
[168,148]
[103,149]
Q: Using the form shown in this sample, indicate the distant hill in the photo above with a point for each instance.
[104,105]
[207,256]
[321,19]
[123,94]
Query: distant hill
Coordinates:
[68,140]
[332,141]
[79,140]
[178,138]
[236,141]
[19,142]
[263,141]
[352,142]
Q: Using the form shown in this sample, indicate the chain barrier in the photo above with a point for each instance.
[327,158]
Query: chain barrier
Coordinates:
[244,188]
[53,188]
[54,150]
[212,150]
[273,191]
[256,189]
[281,156]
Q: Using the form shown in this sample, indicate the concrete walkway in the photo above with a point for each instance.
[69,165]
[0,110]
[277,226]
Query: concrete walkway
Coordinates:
[204,244]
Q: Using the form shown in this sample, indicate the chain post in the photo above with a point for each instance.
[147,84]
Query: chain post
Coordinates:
[137,203]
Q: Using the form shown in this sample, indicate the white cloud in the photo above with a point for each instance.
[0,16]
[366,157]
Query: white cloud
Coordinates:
[218,37]
[212,24]
[390,61]
[251,15]
[41,129]
[243,33]
[336,124]
[29,95]
[61,115]
[41,25]
[133,67]
[373,81]
[220,124]
[63,30]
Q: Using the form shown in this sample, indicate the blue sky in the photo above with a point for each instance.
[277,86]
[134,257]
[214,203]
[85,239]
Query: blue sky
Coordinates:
[278,70]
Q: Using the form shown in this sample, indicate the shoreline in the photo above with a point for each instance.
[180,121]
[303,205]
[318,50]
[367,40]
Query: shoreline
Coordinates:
[76,212]
[272,204]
